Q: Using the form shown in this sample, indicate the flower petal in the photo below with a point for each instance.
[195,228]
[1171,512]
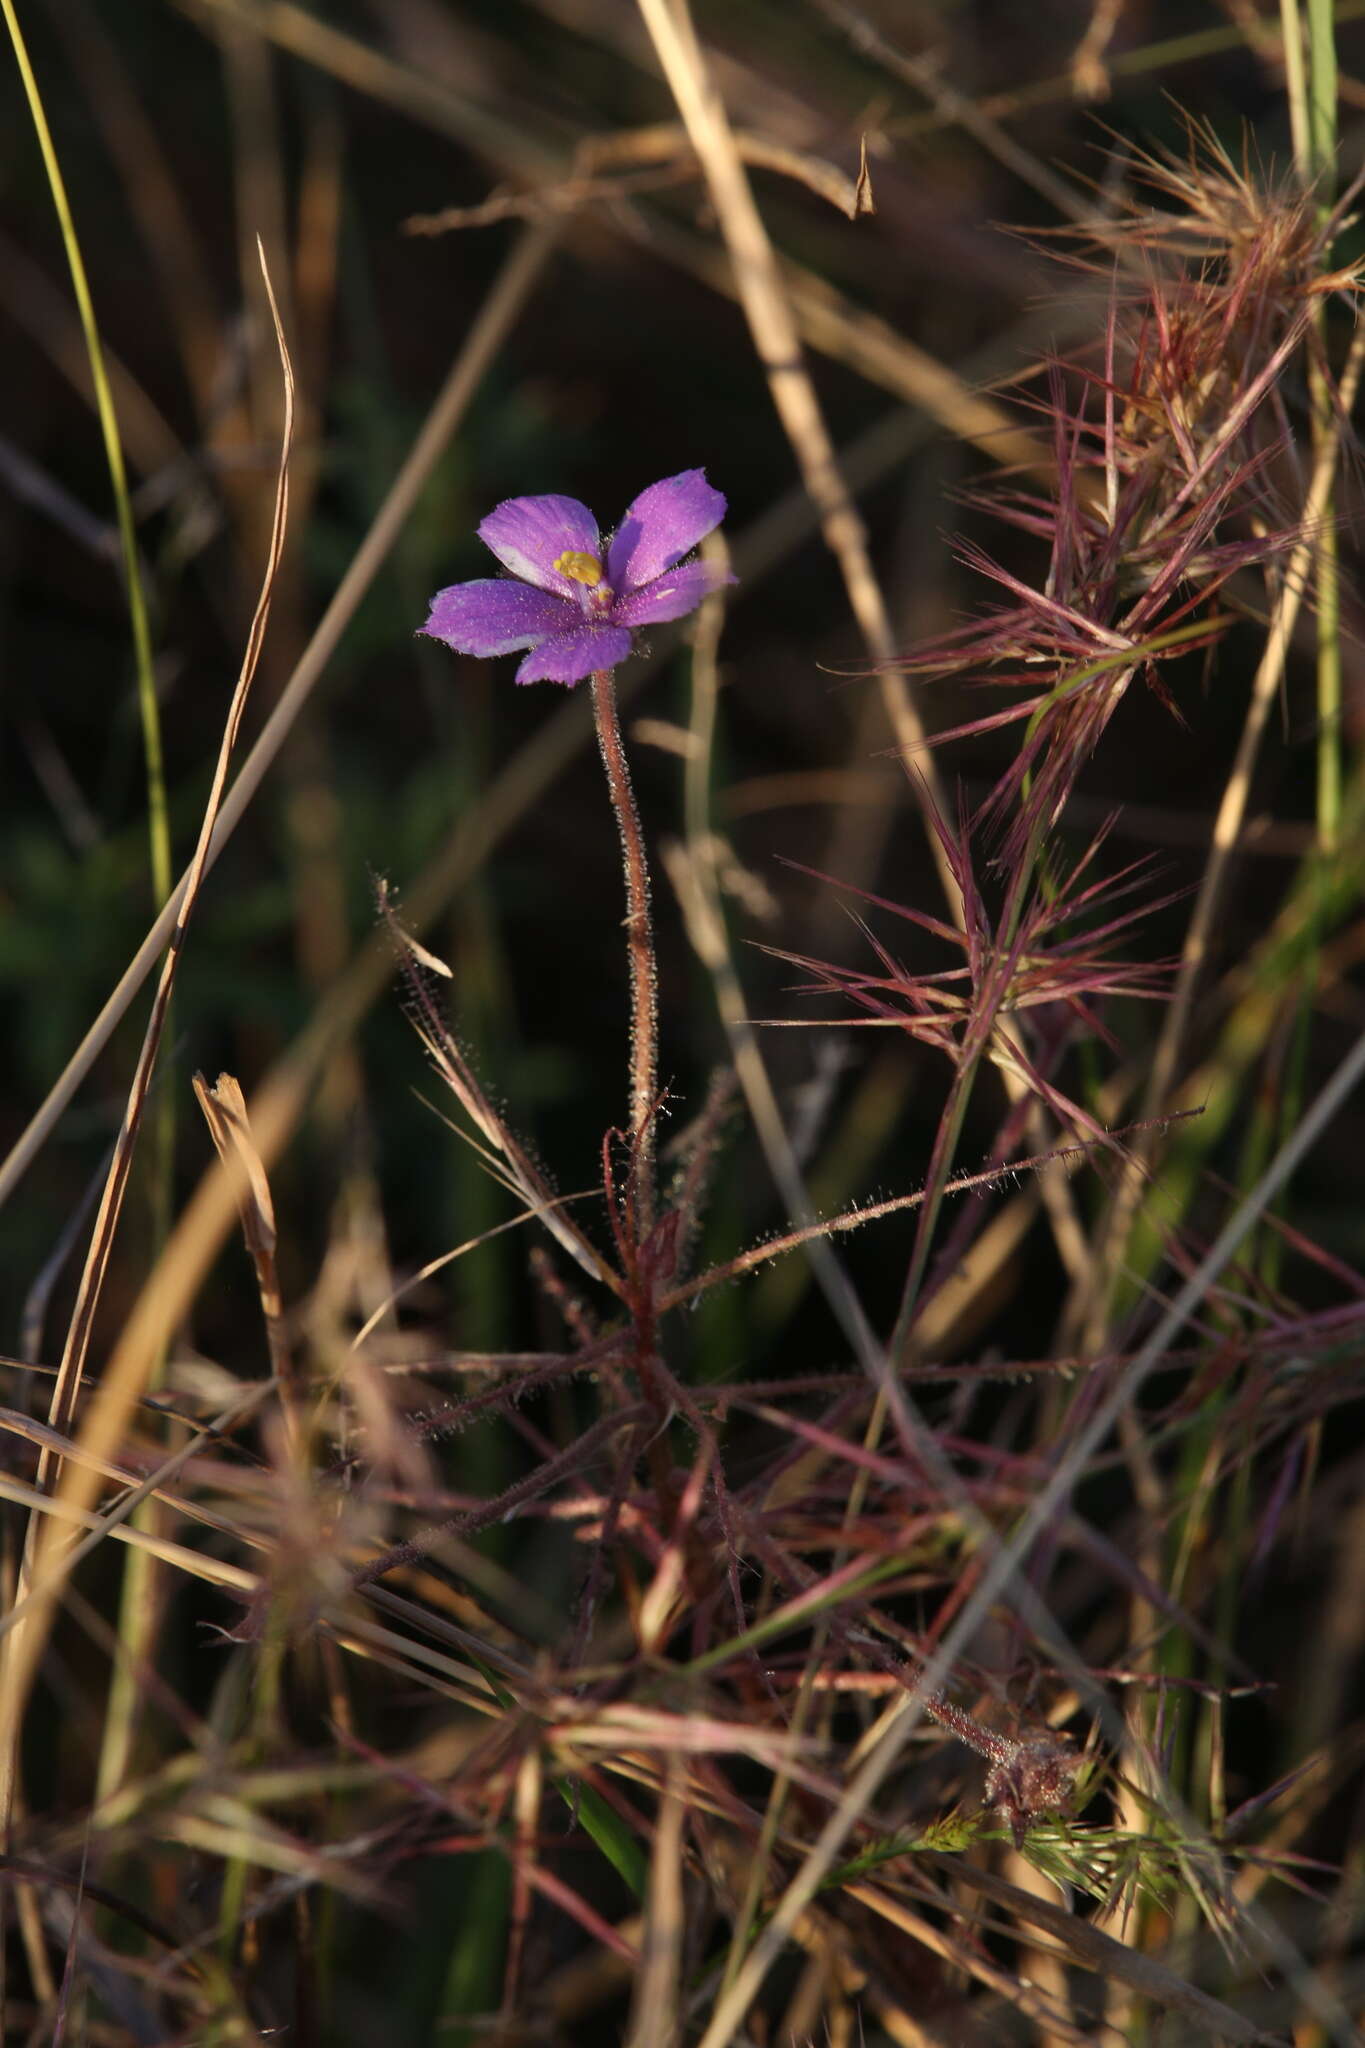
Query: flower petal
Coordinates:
[661,526]
[528,536]
[494,617]
[672,595]
[568,657]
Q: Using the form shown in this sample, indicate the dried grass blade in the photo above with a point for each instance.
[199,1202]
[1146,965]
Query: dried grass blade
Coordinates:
[1099,1952]
[224,1108]
[654,2019]
[486,336]
[772,325]
[106,1222]
[46,1541]
[970,1957]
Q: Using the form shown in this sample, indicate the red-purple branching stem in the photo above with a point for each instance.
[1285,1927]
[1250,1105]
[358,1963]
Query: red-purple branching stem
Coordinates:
[644,1015]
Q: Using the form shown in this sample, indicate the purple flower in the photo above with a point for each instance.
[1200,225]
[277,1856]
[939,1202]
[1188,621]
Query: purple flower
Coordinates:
[576,604]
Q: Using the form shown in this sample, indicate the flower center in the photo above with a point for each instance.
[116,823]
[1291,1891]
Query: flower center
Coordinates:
[597,597]
[580,567]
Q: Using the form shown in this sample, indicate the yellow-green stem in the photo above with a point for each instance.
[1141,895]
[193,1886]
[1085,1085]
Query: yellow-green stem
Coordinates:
[1322,144]
[1311,85]
[158,820]
[135,1593]
[1322,90]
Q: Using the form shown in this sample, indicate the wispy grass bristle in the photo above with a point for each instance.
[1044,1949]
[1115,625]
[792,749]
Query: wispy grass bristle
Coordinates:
[783,1467]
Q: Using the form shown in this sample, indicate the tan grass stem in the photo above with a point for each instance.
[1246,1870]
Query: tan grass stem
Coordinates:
[773,328]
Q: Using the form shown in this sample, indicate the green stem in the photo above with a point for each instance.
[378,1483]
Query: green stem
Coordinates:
[1311,87]
[136,1602]
[1322,89]
[1322,150]
[158,820]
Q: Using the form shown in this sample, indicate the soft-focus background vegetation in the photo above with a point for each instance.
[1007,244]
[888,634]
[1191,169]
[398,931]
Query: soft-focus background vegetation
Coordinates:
[184,132]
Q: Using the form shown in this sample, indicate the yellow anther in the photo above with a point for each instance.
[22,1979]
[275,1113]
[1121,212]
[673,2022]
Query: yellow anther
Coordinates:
[580,567]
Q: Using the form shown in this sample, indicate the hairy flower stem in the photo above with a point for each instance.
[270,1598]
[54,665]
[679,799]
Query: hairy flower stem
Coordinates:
[644,1001]
[644,1083]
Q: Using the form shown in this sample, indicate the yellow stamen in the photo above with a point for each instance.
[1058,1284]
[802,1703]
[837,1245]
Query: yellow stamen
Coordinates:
[580,567]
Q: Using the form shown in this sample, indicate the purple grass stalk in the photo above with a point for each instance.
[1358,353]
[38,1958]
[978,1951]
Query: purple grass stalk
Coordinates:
[644,978]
